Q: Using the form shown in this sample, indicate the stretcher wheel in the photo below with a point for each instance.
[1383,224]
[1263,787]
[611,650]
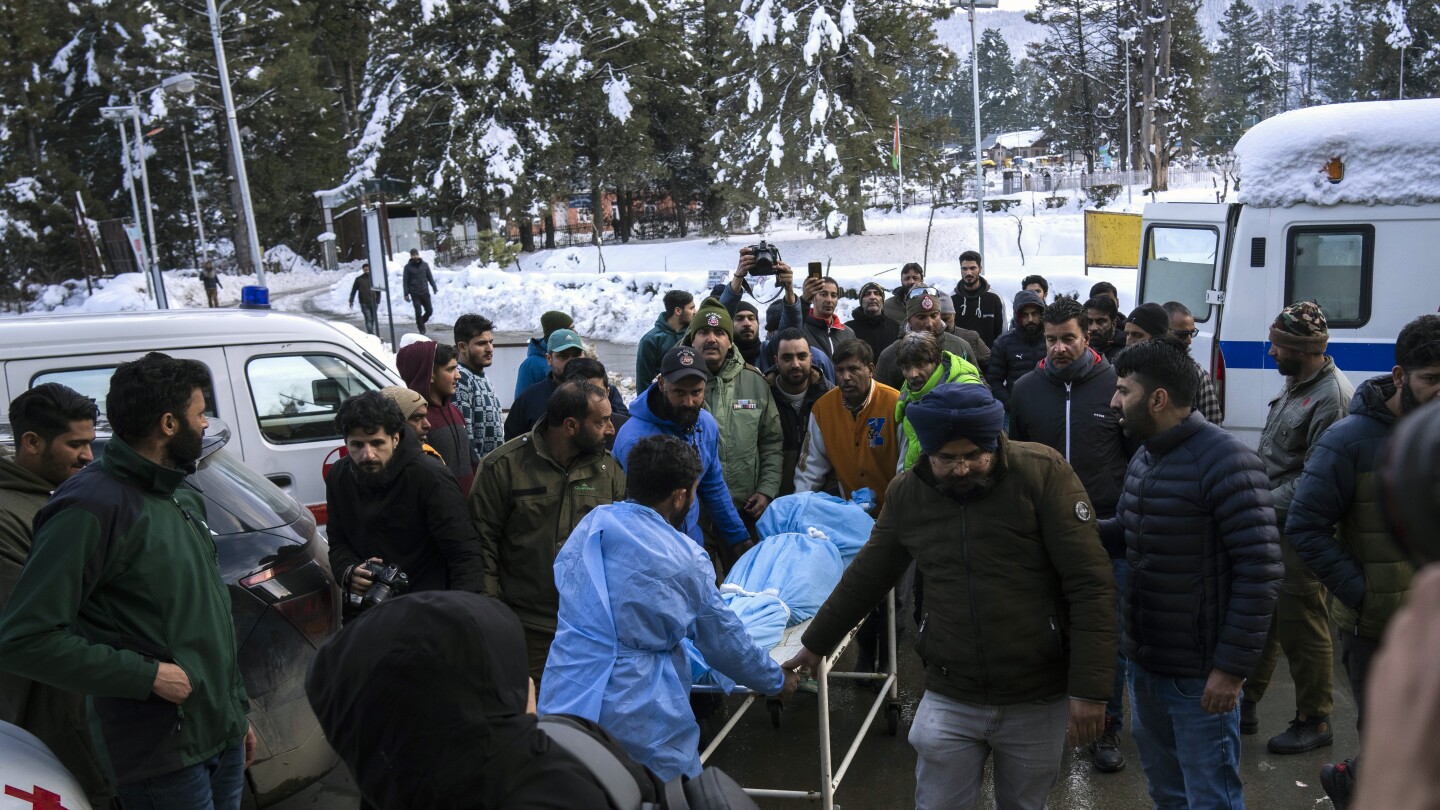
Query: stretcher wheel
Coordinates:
[892,718]
[776,709]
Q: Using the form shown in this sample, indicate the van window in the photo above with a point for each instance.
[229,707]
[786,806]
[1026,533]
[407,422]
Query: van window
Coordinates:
[95,383]
[1332,266]
[1180,266]
[296,396]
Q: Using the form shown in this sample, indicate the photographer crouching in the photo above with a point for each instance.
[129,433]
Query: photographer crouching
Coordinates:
[397,520]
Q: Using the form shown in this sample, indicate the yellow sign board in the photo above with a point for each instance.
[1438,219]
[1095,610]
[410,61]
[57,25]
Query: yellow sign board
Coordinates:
[1112,239]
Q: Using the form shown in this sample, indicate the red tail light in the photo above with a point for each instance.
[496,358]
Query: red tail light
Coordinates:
[312,614]
[1217,374]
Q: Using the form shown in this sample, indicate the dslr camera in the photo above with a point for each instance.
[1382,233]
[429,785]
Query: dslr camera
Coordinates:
[389,581]
[766,255]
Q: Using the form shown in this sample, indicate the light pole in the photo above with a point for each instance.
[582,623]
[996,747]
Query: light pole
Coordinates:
[252,237]
[975,92]
[118,115]
[195,197]
[1127,36]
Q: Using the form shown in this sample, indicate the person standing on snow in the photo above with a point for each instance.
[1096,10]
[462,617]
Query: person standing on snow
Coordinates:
[210,280]
[629,580]
[418,282]
[364,288]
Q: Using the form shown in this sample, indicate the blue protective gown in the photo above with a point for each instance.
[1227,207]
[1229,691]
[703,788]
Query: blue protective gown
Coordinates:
[632,588]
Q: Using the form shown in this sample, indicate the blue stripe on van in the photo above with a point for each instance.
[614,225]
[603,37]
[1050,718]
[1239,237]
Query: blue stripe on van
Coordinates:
[1243,354]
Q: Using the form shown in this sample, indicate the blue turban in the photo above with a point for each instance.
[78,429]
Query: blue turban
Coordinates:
[957,411]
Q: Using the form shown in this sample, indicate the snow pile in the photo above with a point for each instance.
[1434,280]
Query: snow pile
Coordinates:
[130,292]
[1390,151]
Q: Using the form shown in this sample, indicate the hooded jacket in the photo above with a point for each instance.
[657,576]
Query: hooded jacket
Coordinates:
[424,699]
[793,422]
[417,279]
[660,339]
[534,368]
[122,576]
[410,516]
[1019,598]
[1337,524]
[704,436]
[877,330]
[1015,353]
[895,305]
[1202,553]
[1075,419]
[952,369]
[449,434]
[982,310]
[752,442]
[524,505]
[56,716]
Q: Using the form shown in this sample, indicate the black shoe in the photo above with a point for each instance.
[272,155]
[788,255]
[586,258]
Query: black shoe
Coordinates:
[1303,735]
[1249,717]
[1338,780]
[1105,752]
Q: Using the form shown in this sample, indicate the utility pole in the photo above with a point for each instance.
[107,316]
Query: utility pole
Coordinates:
[195,197]
[252,237]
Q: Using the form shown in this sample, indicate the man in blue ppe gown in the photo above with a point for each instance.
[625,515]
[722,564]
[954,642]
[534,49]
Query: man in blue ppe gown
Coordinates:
[632,588]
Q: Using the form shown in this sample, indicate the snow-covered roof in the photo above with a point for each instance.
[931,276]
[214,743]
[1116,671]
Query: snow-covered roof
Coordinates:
[1019,139]
[1390,151]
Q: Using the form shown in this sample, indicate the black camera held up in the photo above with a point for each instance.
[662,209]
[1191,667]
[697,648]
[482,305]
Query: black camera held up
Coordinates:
[766,255]
[387,581]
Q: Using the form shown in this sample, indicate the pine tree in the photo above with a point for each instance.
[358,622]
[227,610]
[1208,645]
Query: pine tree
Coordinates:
[1069,56]
[1337,63]
[1230,85]
[1310,32]
[1000,102]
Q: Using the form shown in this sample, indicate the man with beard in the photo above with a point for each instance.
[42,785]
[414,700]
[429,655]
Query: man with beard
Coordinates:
[122,599]
[795,385]
[751,439]
[851,433]
[970,336]
[1335,522]
[391,503]
[978,307]
[531,493]
[630,581]
[925,318]
[1018,634]
[1316,395]
[475,397]
[1182,328]
[1203,571]
[822,327]
[669,328]
[1104,319]
[1150,321]
[747,335]
[924,366]
[1016,353]
[1064,404]
[912,275]
[53,428]
[674,406]
[869,322]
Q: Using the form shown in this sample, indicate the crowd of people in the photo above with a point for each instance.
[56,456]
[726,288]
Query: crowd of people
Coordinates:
[1054,496]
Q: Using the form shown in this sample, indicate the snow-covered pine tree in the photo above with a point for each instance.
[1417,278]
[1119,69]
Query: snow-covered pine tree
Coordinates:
[1229,93]
[1070,57]
[807,111]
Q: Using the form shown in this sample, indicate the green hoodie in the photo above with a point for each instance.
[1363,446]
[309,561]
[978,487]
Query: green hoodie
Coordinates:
[952,369]
[122,575]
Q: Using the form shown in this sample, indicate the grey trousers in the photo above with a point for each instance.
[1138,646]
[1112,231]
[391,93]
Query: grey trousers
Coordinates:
[953,740]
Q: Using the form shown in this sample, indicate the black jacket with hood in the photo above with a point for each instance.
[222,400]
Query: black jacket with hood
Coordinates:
[410,515]
[877,330]
[1015,353]
[424,697]
[982,310]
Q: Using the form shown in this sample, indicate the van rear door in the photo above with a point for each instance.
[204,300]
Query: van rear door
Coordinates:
[1183,253]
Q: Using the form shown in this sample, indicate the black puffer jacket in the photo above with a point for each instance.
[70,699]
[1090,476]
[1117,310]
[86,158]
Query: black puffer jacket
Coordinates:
[1203,553]
[1015,353]
[1075,419]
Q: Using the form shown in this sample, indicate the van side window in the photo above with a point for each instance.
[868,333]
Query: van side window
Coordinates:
[1179,265]
[1332,266]
[296,396]
[95,383]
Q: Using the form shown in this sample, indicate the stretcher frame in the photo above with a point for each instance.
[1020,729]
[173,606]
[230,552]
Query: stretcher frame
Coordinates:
[888,697]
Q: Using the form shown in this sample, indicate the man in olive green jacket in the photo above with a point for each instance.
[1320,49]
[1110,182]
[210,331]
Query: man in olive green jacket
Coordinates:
[528,496]
[53,428]
[1018,630]
[122,599]
[752,440]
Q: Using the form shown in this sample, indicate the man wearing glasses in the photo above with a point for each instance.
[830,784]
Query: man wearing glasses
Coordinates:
[1182,328]
[1018,637]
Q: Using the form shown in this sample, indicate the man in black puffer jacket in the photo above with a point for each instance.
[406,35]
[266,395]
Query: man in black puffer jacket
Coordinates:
[1203,573]
[1016,353]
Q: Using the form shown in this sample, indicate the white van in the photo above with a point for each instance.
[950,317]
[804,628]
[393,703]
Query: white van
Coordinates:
[277,378]
[1338,204]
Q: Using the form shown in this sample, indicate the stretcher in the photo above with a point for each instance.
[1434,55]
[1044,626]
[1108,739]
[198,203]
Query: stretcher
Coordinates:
[888,699]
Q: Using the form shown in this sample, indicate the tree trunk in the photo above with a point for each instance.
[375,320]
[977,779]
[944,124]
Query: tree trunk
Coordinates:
[1160,177]
[1085,97]
[550,227]
[597,210]
[526,226]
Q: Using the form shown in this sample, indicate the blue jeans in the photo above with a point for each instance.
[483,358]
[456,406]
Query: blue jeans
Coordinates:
[1191,758]
[215,783]
[1115,707]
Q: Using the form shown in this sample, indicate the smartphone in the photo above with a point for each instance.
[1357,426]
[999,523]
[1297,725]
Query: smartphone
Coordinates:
[816,270]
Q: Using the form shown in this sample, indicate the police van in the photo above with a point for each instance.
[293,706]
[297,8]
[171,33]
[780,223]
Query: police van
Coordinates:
[1339,204]
[277,378]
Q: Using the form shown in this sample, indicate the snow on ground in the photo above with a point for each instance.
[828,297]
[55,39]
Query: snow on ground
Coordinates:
[130,291]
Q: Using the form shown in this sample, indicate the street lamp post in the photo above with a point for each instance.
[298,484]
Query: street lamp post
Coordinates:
[975,88]
[162,301]
[195,197]
[252,237]
[1127,36]
[118,115]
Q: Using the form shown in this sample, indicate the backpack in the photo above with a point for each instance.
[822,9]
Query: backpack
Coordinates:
[712,790]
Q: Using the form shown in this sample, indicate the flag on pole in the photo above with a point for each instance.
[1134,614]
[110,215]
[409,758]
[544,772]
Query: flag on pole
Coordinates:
[895,155]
